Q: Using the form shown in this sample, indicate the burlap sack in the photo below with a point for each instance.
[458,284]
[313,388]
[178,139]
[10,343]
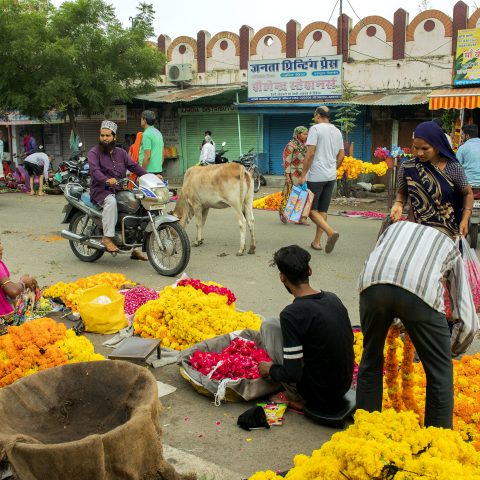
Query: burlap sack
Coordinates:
[92,420]
[243,389]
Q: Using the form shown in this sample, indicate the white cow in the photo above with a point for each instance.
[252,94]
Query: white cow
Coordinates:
[217,186]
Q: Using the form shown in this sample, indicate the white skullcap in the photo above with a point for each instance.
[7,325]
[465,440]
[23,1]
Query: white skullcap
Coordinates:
[110,125]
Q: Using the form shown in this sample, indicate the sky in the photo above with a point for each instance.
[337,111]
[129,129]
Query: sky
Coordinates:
[187,17]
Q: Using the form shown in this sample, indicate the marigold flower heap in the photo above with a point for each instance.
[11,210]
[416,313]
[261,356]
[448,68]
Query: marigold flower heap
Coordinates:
[209,287]
[269,202]
[38,345]
[387,445]
[185,315]
[69,293]
[239,360]
[405,384]
[353,167]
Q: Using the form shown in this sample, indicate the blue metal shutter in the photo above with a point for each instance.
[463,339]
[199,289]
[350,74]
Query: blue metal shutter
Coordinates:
[280,131]
[362,138]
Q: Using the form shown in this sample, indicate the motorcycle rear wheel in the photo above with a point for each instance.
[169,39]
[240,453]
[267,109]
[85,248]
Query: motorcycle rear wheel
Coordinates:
[256,177]
[80,222]
[176,255]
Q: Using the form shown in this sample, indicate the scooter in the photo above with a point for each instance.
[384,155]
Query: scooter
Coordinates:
[219,154]
[142,223]
[474,218]
[74,170]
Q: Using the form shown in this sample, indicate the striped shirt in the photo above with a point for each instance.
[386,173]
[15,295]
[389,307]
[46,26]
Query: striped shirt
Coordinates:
[420,259]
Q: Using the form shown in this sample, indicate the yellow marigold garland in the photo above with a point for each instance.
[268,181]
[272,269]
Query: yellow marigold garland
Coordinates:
[269,202]
[391,369]
[353,167]
[183,316]
[387,445]
[69,293]
[38,345]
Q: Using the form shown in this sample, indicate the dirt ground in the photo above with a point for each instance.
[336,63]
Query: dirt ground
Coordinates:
[197,434]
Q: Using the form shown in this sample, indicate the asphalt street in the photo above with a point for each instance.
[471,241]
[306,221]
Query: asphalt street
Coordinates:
[197,435]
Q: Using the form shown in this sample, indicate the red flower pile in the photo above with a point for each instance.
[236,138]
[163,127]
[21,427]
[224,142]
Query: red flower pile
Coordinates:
[206,288]
[239,360]
[135,297]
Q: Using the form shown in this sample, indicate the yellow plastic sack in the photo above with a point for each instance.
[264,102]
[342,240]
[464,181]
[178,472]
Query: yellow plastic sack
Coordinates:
[102,318]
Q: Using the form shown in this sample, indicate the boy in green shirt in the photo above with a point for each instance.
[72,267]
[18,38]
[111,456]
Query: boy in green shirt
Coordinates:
[151,149]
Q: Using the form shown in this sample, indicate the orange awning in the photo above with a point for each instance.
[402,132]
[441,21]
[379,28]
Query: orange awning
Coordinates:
[457,98]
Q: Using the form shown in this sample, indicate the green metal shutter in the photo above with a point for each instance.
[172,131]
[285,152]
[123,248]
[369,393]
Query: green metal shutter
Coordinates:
[224,128]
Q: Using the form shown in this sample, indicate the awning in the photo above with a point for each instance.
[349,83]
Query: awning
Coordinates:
[390,99]
[188,95]
[457,98]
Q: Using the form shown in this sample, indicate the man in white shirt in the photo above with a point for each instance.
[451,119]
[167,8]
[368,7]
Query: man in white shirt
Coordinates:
[403,277]
[325,153]
[37,165]
[207,154]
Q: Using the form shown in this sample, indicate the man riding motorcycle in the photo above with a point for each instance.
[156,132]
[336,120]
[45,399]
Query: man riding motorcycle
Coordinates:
[108,164]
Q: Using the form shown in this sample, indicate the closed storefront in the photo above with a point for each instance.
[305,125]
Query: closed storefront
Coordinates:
[223,122]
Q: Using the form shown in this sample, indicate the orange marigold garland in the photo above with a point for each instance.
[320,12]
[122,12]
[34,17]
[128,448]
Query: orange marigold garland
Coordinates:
[408,373]
[392,369]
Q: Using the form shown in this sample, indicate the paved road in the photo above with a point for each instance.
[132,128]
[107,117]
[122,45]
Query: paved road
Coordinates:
[195,439]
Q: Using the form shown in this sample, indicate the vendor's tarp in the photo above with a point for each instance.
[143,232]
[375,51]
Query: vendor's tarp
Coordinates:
[92,420]
[243,389]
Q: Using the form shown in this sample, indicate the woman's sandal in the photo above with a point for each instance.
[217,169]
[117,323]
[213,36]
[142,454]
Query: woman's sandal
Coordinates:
[315,248]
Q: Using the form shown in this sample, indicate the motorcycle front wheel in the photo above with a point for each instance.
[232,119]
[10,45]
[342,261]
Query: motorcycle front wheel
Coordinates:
[174,258]
[81,224]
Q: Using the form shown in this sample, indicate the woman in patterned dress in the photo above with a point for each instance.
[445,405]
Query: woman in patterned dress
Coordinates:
[293,157]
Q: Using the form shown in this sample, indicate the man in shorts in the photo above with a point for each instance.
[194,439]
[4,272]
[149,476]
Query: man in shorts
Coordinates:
[325,153]
[37,165]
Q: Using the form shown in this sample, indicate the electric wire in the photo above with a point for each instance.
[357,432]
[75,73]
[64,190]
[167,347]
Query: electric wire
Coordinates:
[326,23]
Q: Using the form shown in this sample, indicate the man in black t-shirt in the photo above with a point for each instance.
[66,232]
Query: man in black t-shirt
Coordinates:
[316,337]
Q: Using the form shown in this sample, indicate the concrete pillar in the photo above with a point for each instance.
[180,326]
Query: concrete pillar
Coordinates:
[460,20]
[293,30]
[400,22]
[163,42]
[246,34]
[203,37]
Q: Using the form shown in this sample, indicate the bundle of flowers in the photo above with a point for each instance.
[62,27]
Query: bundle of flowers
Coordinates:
[405,384]
[38,345]
[69,293]
[239,360]
[269,202]
[183,316]
[208,287]
[136,297]
[386,445]
[352,168]
[381,152]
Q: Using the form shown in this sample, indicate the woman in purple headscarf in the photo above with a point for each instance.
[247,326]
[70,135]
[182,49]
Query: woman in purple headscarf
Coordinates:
[435,183]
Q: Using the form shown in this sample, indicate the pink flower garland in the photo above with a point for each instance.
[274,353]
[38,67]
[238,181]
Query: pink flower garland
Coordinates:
[239,360]
[135,297]
[206,289]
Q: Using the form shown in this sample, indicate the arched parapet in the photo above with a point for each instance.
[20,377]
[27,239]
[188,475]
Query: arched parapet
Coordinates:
[374,20]
[178,42]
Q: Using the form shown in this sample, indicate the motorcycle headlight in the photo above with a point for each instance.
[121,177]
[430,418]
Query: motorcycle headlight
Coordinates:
[162,194]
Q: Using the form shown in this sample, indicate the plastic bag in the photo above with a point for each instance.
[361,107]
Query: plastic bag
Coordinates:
[299,203]
[102,318]
[472,267]
[274,412]
[101,300]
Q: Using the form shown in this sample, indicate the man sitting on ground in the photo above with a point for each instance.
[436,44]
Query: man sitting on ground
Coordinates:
[312,344]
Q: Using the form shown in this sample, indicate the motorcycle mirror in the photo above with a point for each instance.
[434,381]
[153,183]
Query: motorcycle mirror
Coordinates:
[80,144]
[40,147]
[224,143]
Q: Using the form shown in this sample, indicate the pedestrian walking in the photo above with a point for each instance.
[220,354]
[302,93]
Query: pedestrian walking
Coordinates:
[325,153]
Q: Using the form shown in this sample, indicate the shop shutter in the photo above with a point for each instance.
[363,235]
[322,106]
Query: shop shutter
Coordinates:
[361,138]
[89,134]
[280,128]
[224,128]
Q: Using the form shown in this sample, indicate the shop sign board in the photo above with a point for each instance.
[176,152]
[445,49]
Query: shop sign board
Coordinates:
[306,78]
[467,59]
[207,109]
[14,117]
[116,113]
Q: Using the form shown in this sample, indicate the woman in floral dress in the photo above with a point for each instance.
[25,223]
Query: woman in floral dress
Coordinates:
[293,157]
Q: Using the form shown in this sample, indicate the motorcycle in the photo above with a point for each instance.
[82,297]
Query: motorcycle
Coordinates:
[74,170]
[219,154]
[141,223]
[249,161]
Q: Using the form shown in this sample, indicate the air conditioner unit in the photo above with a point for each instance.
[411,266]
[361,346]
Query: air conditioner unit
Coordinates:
[181,72]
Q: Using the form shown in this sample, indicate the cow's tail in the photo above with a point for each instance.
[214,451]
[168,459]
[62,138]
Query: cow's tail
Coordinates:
[242,181]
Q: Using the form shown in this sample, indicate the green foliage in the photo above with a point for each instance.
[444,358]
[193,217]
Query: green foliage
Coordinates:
[448,118]
[346,115]
[76,57]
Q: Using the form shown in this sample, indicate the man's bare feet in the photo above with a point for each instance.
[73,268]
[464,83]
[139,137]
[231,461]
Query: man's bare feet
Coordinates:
[109,245]
[42,194]
[138,255]
[31,193]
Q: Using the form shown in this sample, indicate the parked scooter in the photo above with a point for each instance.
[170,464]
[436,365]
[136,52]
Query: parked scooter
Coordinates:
[474,218]
[142,223]
[74,170]
[249,161]
[219,154]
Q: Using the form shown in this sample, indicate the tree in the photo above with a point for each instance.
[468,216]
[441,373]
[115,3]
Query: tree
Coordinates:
[346,115]
[73,58]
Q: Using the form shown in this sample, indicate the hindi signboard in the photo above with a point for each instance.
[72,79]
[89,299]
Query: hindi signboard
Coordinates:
[467,60]
[311,78]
